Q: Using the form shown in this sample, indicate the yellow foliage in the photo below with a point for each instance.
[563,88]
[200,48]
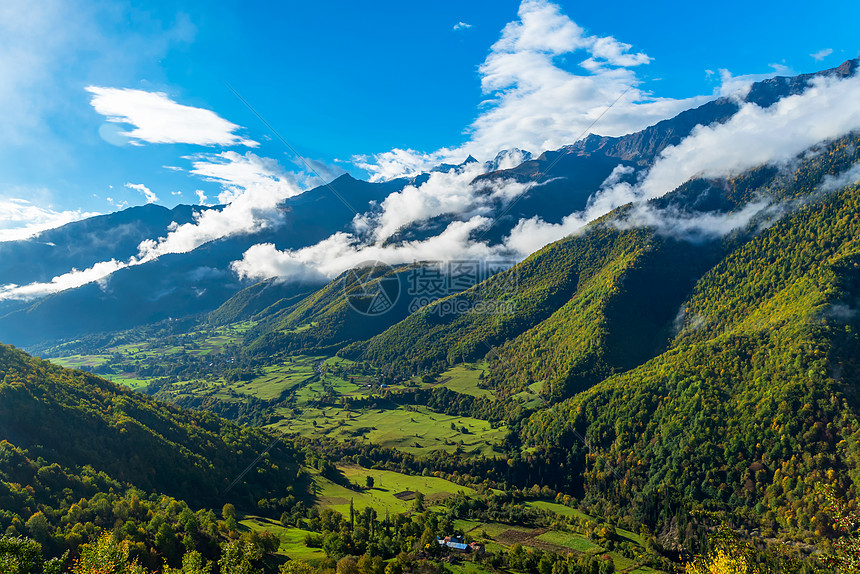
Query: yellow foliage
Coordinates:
[721,562]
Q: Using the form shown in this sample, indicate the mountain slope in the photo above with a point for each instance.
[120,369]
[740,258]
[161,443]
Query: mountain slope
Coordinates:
[76,419]
[336,314]
[598,301]
[261,298]
[754,402]
[617,319]
[81,244]
[355,306]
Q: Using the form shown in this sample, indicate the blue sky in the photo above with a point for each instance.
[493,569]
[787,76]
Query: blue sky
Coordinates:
[348,82]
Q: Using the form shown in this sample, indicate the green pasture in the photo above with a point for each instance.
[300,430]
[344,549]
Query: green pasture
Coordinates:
[417,430]
[383,496]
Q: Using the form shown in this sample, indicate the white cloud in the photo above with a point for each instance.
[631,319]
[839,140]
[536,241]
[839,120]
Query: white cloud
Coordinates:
[462,26]
[821,54]
[75,278]
[158,119]
[529,235]
[253,188]
[850,176]
[443,193]
[537,103]
[201,197]
[739,86]
[147,193]
[695,226]
[343,251]
[20,219]
[448,193]
[754,136]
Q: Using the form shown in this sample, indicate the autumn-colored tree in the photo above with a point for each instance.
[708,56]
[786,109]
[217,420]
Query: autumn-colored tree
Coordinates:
[732,554]
[238,558]
[296,567]
[846,522]
[722,561]
[107,556]
[192,563]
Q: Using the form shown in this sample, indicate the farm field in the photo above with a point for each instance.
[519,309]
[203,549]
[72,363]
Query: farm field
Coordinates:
[392,491]
[416,430]
[292,539]
[568,541]
[307,388]
[276,380]
[132,350]
[563,510]
[395,493]
[464,378]
[557,508]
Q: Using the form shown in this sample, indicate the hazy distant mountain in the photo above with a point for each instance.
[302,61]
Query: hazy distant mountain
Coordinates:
[174,285]
[83,243]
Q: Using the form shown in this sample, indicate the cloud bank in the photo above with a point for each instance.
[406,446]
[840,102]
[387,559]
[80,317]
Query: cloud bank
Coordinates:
[445,193]
[451,193]
[252,186]
[74,278]
[343,251]
[755,136]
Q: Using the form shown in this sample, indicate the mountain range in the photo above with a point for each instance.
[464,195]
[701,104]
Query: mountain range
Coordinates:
[200,280]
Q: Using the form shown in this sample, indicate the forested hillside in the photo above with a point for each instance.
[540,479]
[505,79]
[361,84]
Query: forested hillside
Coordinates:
[334,315]
[600,301]
[76,419]
[754,402]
